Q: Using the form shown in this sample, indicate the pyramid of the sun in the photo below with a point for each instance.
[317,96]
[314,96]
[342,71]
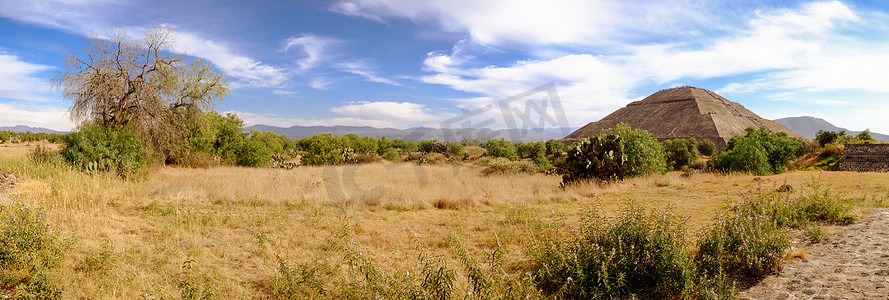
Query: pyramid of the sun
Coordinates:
[683,112]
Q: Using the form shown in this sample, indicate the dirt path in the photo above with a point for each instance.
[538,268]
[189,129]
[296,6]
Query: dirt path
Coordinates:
[853,264]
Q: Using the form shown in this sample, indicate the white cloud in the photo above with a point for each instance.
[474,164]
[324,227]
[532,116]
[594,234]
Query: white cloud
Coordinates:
[315,49]
[387,110]
[18,80]
[365,113]
[584,22]
[77,16]
[254,73]
[362,69]
[320,83]
[794,49]
[51,117]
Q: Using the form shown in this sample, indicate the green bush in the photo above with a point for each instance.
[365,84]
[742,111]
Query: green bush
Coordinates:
[554,148]
[501,148]
[760,151]
[644,154]
[680,152]
[28,254]
[253,153]
[635,254]
[97,149]
[228,136]
[746,244]
[500,165]
[599,157]
[613,154]
[826,137]
[5,136]
[706,147]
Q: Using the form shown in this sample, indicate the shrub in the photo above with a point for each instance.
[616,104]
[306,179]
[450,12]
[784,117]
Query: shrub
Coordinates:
[865,137]
[253,153]
[97,149]
[598,157]
[760,151]
[613,154]
[706,147]
[744,156]
[5,136]
[501,148]
[500,165]
[644,154]
[456,150]
[825,137]
[680,152]
[28,254]
[636,254]
[554,148]
[745,244]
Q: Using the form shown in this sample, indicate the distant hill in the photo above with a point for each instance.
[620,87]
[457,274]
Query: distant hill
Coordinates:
[23,128]
[807,126]
[421,133]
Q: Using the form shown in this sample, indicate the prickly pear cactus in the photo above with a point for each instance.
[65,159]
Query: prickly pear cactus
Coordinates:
[599,157]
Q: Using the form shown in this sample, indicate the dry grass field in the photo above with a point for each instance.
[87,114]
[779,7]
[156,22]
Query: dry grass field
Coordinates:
[227,229]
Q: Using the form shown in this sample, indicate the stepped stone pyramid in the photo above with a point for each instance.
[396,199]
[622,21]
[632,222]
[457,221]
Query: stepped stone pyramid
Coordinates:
[683,112]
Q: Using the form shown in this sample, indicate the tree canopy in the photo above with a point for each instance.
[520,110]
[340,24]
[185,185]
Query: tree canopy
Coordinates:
[121,81]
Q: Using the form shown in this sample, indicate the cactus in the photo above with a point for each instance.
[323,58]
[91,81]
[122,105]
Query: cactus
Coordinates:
[600,157]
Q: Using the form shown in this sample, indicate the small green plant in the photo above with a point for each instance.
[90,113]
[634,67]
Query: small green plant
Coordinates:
[299,282]
[747,243]
[28,254]
[635,254]
[193,286]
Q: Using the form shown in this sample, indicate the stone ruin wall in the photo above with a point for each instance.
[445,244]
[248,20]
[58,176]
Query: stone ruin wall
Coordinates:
[865,158]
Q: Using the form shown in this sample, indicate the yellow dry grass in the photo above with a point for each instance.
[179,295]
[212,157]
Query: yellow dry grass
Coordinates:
[232,224]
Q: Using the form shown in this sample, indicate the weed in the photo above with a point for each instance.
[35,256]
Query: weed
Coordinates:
[193,285]
[634,254]
[298,282]
[28,253]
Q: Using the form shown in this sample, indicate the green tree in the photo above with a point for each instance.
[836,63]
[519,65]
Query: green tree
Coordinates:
[825,137]
[680,152]
[760,151]
[122,82]
[706,147]
[554,148]
[865,136]
[5,136]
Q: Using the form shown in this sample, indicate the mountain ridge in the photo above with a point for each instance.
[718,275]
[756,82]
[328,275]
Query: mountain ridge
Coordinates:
[25,128]
[807,126]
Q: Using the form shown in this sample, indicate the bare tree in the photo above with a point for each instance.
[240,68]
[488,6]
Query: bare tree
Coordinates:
[140,83]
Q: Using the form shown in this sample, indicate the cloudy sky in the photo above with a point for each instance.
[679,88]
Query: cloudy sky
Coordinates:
[406,63]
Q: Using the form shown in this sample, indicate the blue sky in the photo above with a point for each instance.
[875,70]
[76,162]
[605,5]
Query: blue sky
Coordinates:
[406,63]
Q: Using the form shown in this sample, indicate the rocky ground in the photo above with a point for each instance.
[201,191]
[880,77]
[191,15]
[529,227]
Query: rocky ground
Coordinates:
[853,264]
[8,180]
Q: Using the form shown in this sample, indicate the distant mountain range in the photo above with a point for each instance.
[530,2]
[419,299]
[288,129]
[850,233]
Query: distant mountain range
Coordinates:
[807,126]
[422,133]
[23,128]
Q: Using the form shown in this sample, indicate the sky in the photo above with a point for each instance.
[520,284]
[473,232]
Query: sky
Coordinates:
[495,63]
